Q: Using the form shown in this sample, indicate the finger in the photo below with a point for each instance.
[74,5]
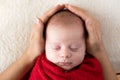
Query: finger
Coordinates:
[37,31]
[31,34]
[40,26]
[93,29]
[78,11]
[89,27]
[51,12]
[89,20]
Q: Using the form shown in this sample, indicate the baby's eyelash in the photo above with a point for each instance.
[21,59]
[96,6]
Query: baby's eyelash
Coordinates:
[56,47]
[73,48]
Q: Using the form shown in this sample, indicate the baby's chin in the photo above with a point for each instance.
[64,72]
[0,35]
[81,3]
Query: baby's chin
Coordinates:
[68,68]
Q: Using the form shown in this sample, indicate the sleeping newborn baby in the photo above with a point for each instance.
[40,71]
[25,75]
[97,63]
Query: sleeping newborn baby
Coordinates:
[65,56]
[65,40]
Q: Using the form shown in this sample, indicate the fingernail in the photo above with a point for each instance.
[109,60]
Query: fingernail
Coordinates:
[37,21]
[88,21]
[66,4]
[40,22]
[58,5]
[65,8]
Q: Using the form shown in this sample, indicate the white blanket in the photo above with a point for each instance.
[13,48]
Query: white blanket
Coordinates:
[18,16]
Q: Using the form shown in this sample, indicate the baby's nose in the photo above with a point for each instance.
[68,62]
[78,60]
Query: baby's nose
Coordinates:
[65,53]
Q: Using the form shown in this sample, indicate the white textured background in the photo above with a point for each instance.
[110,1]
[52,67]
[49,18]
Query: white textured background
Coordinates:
[18,16]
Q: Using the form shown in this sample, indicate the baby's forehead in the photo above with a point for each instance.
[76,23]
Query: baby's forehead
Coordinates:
[65,17]
[64,22]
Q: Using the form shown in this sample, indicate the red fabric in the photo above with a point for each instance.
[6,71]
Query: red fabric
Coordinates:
[90,69]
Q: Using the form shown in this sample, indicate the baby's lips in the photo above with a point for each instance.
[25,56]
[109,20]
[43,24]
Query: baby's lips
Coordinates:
[65,63]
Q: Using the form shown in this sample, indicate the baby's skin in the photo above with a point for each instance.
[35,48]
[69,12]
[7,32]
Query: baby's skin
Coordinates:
[94,45]
[65,40]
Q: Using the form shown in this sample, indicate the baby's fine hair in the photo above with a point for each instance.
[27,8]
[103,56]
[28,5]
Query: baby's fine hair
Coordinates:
[61,14]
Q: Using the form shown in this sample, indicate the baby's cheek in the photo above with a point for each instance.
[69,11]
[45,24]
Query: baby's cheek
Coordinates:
[51,57]
[79,58]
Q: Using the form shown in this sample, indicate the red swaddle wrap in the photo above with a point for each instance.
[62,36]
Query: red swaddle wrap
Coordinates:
[90,69]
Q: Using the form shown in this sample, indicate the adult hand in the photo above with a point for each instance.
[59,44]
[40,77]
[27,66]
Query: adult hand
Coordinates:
[94,41]
[18,69]
[37,43]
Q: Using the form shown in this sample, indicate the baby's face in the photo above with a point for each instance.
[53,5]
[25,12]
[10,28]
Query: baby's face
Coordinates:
[65,44]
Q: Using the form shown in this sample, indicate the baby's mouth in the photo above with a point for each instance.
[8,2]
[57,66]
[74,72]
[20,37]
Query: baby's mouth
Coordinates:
[65,63]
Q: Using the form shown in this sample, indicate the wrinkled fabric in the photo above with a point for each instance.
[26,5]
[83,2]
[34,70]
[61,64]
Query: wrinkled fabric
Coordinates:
[90,69]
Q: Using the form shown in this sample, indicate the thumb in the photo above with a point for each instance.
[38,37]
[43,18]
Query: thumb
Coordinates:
[40,26]
[37,32]
[90,28]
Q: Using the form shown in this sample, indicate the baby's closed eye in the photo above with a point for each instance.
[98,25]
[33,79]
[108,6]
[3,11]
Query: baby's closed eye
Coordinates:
[57,47]
[74,47]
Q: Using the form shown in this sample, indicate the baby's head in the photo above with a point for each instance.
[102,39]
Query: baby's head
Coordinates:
[65,40]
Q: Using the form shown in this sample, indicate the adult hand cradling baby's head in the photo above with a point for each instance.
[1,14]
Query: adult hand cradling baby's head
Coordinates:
[36,45]
[94,41]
